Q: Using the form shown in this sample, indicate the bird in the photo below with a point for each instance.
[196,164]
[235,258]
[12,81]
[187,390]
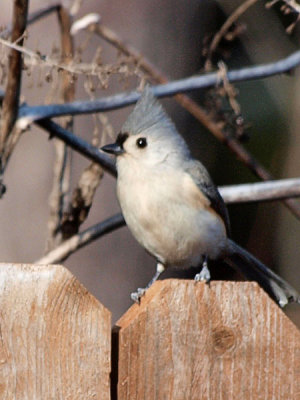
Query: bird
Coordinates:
[171,205]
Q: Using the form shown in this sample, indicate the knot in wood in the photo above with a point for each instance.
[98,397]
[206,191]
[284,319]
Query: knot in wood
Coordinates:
[223,339]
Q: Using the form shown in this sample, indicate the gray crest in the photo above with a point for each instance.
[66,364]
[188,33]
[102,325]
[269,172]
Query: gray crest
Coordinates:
[148,115]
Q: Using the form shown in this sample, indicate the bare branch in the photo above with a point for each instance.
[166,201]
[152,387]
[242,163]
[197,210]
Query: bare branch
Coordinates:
[80,145]
[82,239]
[231,194]
[8,138]
[262,191]
[29,114]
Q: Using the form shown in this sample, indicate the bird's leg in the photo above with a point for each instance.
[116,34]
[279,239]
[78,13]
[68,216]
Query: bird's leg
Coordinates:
[136,296]
[204,274]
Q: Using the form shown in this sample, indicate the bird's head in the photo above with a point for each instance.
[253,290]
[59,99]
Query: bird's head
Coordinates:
[149,136]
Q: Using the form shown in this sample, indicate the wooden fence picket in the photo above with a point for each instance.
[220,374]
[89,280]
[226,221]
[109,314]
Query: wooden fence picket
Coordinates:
[54,336]
[190,341]
[185,341]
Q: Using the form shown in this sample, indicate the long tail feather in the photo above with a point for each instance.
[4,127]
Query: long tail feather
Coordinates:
[253,269]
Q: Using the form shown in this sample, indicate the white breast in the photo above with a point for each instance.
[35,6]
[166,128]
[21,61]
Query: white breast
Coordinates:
[169,216]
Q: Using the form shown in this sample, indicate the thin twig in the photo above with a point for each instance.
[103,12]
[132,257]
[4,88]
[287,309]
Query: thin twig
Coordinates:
[29,114]
[8,138]
[41,60]
[37,58]
[82,239]
[224,29]
[111,37]
[62,163]
[232,194]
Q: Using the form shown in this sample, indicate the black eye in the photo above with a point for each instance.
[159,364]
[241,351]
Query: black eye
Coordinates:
[141,142]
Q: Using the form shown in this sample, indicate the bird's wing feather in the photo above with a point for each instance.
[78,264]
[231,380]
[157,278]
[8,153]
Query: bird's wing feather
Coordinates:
[202,179]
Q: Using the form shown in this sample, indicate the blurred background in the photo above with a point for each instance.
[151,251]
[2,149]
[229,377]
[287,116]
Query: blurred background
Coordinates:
[174,35]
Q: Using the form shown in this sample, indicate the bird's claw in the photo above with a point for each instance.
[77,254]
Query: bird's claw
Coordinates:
[204,275]
[136,296]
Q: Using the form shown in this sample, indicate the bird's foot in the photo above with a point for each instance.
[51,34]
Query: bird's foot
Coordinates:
[204,274]
[136,296]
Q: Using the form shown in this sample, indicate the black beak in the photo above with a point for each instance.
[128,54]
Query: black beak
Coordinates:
[113,148]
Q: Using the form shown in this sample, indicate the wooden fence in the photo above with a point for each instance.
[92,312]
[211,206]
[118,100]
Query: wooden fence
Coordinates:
[185,341]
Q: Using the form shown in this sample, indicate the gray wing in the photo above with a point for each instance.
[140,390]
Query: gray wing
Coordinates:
[202,179]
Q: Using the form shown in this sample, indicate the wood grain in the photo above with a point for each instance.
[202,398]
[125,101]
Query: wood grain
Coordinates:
[54,336]
[190,341]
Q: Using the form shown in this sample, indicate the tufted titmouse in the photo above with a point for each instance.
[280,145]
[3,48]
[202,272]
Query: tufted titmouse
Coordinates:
[171,205]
